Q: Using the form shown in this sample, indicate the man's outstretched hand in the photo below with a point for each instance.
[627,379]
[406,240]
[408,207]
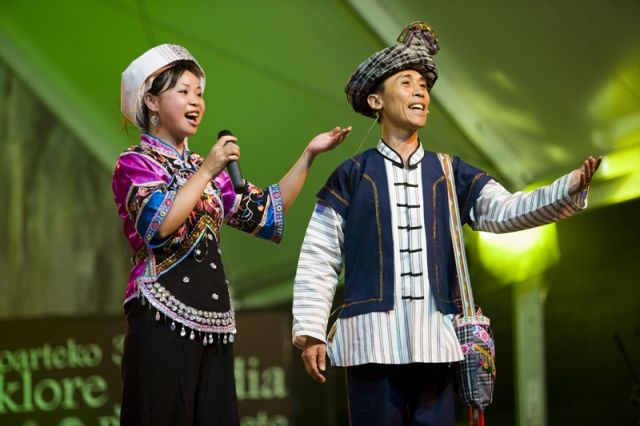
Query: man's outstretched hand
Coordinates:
[582,178]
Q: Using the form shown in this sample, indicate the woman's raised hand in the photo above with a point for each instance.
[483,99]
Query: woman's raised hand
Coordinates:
[328,140]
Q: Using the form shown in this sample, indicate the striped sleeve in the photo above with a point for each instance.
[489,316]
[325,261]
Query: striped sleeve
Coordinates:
[497,210]
[317,274]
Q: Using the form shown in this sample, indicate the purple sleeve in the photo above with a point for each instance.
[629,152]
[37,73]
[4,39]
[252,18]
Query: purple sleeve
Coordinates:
[223,181]
[141,194]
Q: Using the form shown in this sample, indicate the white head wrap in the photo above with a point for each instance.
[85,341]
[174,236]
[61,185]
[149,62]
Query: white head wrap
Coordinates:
[139,76]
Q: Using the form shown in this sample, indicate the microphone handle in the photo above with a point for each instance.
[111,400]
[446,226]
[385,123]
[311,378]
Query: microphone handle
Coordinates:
[233,168]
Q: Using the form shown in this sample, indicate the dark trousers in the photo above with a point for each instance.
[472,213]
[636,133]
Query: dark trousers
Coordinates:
[411,394]
[172,380]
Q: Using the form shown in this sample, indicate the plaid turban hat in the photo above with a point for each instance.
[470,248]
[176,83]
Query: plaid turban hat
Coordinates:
[416,45]
[139,76]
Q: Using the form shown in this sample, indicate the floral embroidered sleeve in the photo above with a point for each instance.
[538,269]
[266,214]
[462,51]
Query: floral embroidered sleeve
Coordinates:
[141,192]
[256,211]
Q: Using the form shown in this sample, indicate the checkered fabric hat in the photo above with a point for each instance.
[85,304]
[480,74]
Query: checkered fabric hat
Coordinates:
[416,45]
[139,76]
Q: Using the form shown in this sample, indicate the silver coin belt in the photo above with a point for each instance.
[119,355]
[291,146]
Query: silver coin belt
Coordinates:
[210,326]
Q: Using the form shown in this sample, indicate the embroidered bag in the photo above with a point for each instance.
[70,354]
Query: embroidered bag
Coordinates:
[475,375]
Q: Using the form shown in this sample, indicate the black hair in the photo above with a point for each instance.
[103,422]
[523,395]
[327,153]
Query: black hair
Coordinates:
[378,88]
[166,80]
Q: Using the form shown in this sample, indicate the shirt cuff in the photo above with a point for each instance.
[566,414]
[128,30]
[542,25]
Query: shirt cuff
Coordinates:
[152,215]
[578,201]
[299,340]
[272,227]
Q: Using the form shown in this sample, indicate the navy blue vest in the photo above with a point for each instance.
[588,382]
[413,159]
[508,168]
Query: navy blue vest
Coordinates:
[358,191]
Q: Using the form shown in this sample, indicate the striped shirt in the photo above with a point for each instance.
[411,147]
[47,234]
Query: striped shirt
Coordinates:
[414,331]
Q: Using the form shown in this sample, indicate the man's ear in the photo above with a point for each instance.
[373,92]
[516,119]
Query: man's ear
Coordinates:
[151,101]
[375,101]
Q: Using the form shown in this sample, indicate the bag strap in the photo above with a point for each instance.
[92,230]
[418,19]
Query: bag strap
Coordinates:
[466,294]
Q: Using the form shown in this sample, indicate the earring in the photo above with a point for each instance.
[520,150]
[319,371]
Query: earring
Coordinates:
[155,120]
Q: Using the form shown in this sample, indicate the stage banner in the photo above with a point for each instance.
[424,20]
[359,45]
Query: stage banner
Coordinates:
[66,371]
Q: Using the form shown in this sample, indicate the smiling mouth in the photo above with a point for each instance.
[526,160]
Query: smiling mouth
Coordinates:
[416,107]
[192,116]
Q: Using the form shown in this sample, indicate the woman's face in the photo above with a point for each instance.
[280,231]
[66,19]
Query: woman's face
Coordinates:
[180,109]
[405,100]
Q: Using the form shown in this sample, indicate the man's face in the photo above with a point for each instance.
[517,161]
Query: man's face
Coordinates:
[405,100]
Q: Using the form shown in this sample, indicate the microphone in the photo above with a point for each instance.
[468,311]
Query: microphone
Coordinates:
[233,168]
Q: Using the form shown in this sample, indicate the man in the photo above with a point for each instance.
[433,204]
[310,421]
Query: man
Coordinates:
[385,213]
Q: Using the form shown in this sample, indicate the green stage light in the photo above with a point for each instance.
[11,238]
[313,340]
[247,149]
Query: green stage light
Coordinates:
[620,163]
[517,256]
[618,179]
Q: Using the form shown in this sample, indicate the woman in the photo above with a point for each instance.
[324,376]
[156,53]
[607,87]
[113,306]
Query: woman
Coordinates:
[178,355]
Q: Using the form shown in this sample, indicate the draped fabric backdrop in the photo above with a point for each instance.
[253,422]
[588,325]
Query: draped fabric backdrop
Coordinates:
[61,247]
